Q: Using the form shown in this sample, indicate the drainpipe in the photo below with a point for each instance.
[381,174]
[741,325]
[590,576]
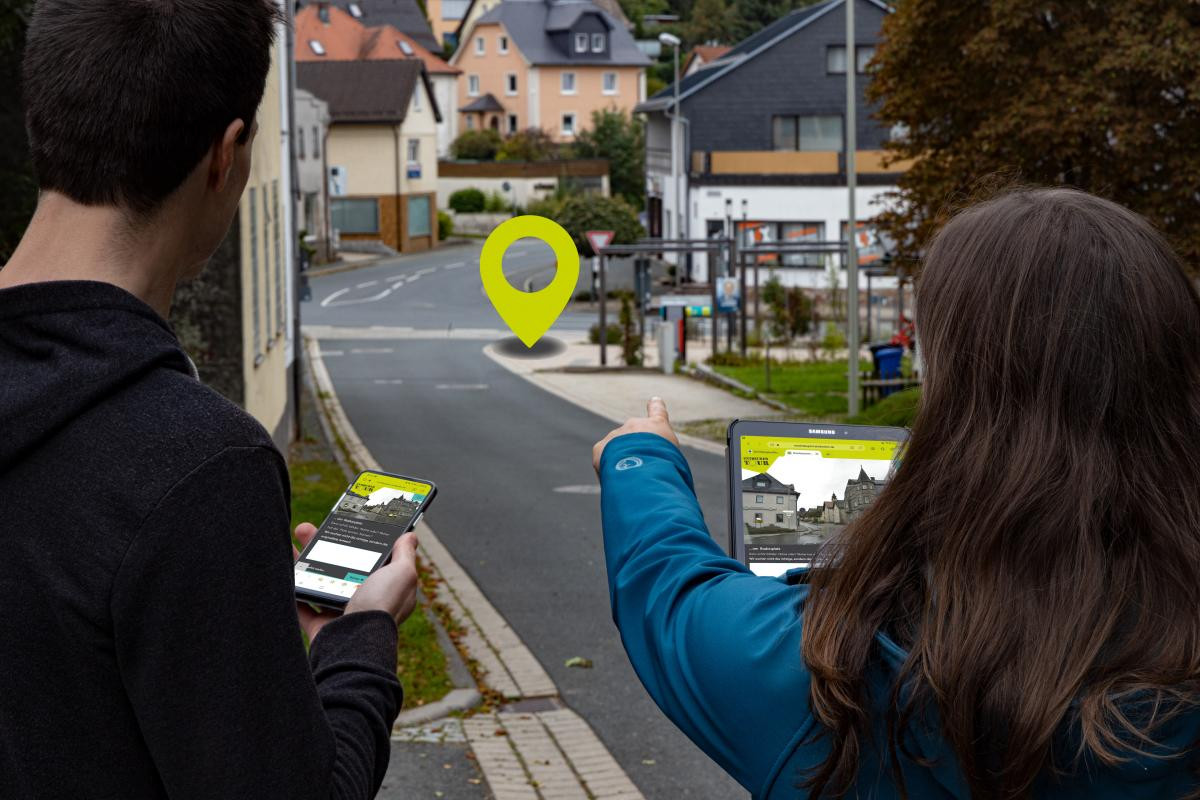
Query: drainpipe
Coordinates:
[399,223]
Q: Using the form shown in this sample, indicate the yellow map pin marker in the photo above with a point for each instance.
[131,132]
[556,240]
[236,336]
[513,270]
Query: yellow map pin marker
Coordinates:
[529,314]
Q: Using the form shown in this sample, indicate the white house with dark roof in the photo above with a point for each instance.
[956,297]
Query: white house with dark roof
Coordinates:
[546,64]
[763,125]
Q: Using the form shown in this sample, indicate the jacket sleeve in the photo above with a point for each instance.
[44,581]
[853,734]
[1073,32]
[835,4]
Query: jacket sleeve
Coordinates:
[209,648]
[717,647]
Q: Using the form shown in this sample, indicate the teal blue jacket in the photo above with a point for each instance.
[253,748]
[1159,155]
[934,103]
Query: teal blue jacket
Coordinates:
[718,649]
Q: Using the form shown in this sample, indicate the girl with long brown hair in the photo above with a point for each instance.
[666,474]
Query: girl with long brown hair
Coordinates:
[1018,613]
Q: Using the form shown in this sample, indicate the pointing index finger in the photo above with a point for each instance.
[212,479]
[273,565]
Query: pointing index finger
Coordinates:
[656,408]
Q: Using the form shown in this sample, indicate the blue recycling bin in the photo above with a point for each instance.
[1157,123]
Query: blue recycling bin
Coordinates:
[887,359]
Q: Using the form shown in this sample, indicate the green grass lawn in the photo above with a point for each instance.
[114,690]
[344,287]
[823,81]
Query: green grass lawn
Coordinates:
[316,486]
[815,389]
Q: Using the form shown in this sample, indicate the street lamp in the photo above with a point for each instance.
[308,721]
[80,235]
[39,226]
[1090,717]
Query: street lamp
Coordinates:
[671,40]
[852,221]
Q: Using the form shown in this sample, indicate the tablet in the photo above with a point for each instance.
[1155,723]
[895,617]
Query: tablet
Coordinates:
[793,486]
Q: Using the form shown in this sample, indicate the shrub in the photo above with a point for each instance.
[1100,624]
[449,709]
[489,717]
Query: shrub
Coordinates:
[476,145]
[614,334]
[593,212]
[445,226]
[468,201]
[531,144]
[631,340]
[495,203]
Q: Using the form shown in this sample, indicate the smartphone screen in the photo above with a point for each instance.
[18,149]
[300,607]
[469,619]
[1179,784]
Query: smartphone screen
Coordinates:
[359,533]
[799,493]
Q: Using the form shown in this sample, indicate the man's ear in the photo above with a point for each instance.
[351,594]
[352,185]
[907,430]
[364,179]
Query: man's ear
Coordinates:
[224,151]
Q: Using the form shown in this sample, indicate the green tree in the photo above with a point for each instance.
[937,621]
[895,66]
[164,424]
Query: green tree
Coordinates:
[531,144]
[476,145]
[18,187]
[621,139]
[1101,96]
[712,20]
[789,310]
[594,212]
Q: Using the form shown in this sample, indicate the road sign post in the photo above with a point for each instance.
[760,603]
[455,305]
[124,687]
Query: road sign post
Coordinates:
[600,240]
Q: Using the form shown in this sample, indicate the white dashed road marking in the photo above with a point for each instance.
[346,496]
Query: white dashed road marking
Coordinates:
[365,285]
[462,387]
[372,350]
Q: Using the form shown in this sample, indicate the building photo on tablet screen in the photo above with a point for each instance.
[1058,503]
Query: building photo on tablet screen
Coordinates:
[798,494]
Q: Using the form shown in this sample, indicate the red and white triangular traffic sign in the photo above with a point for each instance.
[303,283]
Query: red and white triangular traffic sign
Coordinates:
[600,239]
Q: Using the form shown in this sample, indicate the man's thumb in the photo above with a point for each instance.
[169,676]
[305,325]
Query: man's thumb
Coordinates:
[405,549]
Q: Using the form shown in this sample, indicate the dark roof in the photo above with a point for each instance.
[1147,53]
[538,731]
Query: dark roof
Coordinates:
[486,103]
[746,49]
[528,21]
[773,484]
[365,91]
[406,15]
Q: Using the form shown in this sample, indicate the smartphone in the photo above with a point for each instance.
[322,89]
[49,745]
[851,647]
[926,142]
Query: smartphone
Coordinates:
[358,535]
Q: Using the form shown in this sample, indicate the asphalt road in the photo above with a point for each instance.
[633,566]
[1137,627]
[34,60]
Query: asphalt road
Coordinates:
[517,503]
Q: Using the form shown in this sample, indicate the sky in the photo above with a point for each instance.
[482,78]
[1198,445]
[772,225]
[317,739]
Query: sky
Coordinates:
[816,478]
[387,495]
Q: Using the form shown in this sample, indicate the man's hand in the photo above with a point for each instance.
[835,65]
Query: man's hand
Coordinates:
[655,422]
[391,588]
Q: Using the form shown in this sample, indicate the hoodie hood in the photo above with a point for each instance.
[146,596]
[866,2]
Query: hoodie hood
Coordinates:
[66,346]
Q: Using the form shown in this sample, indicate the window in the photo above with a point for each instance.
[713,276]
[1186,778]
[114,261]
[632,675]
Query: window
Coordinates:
[316,142]
[512,124]
[597,42]
[568,124]
[470,123]
[355,11]
[503,45]
[473,85]
[610,83]
[405,47]
[317,47]
[818,132]
[278,259]
[581,43]
[414,150]
[354,215]
[778,500]
[254,303]
[758,519]
[510,83]
[568,83]
[418,216]
[779,517]
[300,143]
[835,59]
[478,45]
[863,56]
[758,498]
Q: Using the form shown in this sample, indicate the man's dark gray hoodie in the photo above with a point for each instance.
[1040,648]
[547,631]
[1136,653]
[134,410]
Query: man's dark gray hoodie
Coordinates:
[149,643]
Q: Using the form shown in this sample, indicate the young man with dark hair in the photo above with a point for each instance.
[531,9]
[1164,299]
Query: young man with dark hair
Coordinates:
[151,641]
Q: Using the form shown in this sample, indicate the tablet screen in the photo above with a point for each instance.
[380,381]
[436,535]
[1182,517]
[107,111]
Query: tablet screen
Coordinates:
[799,493]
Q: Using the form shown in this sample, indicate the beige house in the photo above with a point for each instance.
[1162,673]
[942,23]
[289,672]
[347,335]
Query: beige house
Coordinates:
[381,150]
[237,319]
[545,64]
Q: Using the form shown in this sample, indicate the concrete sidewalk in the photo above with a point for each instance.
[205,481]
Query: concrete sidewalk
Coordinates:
[574,374]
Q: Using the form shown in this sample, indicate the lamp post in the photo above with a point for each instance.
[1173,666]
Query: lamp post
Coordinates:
[676,145]
[729,271]
[852,221]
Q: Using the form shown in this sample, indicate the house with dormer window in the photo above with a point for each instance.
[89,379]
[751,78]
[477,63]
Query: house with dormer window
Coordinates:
[546,64]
